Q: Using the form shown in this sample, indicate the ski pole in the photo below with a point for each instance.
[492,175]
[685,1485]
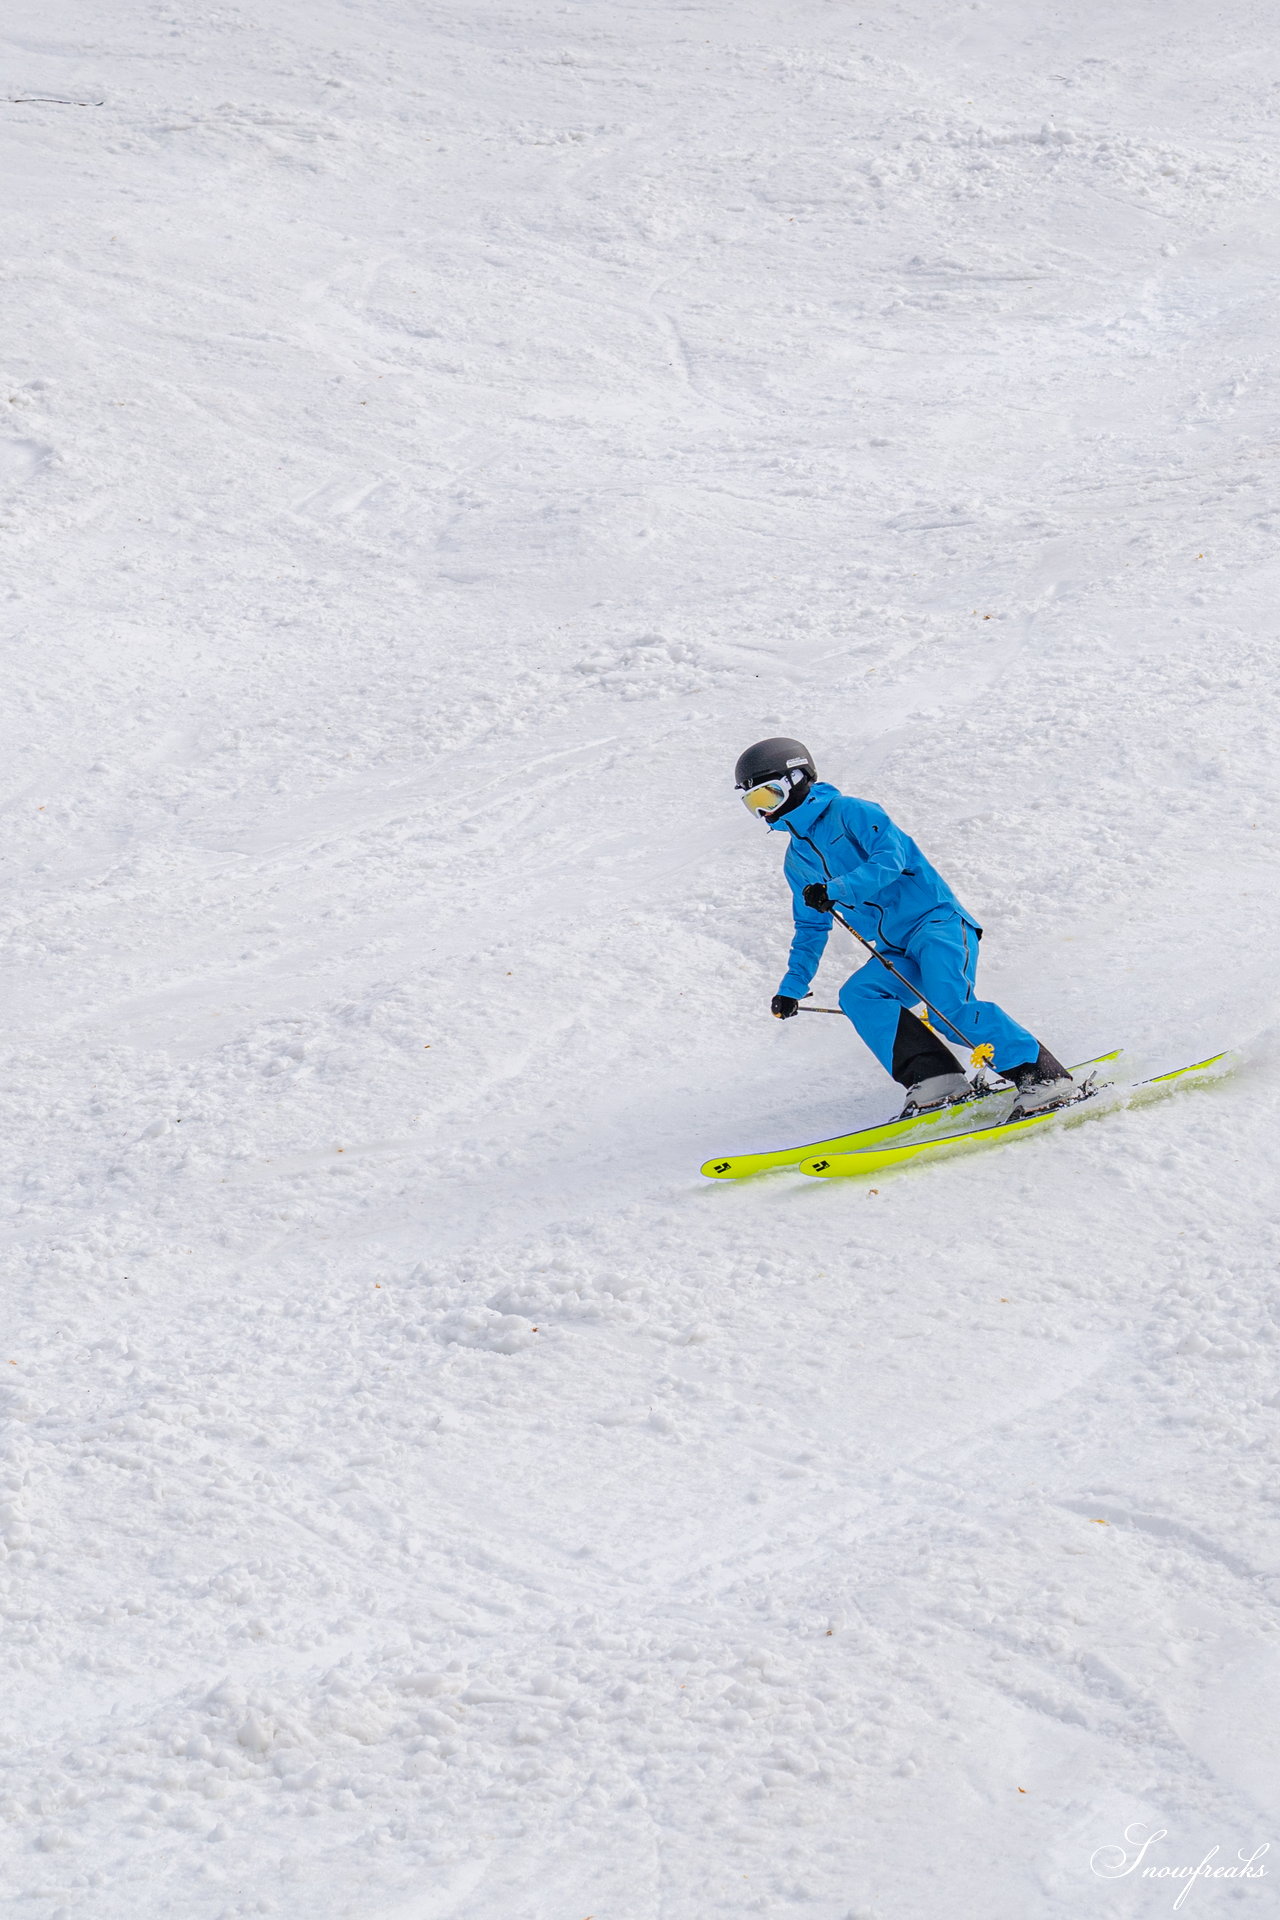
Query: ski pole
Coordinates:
[834,1010]
[914,991]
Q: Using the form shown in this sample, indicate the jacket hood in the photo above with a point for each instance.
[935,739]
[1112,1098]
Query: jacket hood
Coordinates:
[815,802]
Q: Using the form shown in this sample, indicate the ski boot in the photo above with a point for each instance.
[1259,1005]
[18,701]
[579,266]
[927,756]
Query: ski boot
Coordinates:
[925,1067]
[1042,1083]
[939,1090]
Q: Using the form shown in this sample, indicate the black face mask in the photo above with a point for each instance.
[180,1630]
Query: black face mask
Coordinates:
[798,793]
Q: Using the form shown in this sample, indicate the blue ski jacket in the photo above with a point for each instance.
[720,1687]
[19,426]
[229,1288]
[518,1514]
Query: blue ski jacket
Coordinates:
[875,874]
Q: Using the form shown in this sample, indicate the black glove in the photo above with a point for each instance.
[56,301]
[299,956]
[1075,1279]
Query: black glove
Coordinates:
[782,1006]
[817,897]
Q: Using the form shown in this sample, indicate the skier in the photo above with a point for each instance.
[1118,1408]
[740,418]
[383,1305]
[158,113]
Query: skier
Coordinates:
[848,854]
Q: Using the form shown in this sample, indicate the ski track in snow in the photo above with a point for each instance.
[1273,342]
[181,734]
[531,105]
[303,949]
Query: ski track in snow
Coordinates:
[433,442]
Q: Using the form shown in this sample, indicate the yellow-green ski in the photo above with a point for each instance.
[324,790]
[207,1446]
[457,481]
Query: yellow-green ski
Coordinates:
[968,1115]
[878,1159]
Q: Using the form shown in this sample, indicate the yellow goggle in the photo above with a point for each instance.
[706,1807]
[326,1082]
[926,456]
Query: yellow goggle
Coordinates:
[766,797]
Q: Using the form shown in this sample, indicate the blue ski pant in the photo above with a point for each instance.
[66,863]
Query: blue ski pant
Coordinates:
[940,962]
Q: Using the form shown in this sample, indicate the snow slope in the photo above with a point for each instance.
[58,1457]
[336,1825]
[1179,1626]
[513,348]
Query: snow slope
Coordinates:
[436,439]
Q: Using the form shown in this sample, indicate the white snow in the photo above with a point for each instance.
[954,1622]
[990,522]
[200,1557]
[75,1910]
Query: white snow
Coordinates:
[436,439]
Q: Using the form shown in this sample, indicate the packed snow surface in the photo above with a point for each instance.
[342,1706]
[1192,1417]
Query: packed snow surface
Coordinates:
[436,439]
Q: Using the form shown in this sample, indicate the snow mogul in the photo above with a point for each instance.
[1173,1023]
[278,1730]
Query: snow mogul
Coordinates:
[846,858]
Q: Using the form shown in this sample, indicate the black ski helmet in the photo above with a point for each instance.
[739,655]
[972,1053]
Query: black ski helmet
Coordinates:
[787,761]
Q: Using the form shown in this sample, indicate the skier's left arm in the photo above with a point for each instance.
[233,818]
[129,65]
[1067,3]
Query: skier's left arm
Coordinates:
[870,827]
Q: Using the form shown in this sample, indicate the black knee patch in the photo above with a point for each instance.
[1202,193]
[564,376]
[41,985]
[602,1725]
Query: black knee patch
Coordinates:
[917,1053]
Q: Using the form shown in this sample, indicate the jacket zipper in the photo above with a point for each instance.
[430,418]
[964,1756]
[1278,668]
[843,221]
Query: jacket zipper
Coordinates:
[878,911]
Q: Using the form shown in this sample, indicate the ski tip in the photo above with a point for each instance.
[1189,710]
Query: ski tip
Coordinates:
[742,1166]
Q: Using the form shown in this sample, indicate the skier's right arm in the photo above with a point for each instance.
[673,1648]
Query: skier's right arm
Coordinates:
[807,945]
